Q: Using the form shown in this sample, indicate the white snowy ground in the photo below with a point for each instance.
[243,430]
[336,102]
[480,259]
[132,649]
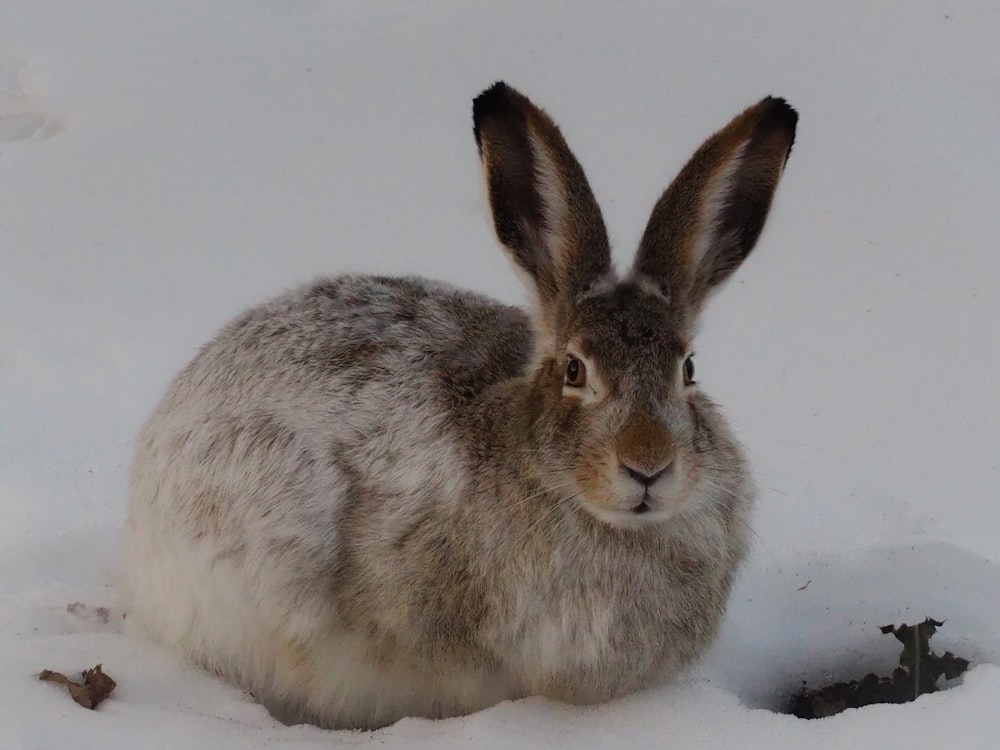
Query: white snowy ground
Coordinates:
[165,164]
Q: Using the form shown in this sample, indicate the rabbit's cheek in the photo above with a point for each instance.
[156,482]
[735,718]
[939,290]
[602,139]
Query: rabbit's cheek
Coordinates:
[592,479]
[674,492]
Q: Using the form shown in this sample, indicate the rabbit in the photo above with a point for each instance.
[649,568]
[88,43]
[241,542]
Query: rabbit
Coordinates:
[373,498]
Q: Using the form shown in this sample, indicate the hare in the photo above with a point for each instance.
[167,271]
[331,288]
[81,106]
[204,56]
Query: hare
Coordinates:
[374,497]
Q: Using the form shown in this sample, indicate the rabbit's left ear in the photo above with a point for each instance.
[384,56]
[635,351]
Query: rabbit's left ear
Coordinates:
[708,220]
[543,209]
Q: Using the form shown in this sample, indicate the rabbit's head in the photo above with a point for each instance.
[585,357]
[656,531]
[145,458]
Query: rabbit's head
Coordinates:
[615,420]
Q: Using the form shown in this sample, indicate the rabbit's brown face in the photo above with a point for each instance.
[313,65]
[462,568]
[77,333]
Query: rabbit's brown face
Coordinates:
[625,432]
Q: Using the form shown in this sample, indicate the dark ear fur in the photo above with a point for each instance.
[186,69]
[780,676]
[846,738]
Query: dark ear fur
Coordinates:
[709,219]
[543,209]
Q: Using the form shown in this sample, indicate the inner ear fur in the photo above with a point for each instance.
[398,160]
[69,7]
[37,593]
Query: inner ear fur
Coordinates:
[708,220]
[544,211]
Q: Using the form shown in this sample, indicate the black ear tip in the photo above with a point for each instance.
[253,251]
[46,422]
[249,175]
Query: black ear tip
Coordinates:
[779,113]
[495,100]
[499,90]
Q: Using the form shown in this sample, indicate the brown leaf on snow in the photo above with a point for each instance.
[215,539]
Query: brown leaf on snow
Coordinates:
[95,688]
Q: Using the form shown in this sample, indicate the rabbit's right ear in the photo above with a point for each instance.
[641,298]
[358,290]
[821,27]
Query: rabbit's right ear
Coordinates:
[544,212]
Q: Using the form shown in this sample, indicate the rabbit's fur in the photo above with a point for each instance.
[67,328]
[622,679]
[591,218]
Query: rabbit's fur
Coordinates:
[378,497]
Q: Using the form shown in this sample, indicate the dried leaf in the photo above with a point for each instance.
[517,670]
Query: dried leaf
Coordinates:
[100,684]
[47,675]
[95,688]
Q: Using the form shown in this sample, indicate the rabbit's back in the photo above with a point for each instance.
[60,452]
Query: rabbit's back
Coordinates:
[345,335]
[241,474]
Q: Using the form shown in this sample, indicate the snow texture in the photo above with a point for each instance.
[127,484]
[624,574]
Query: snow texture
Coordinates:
[165,164]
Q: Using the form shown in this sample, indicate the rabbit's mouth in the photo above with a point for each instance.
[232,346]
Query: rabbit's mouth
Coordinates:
[622,511]
[643,515]
[642,507]
[617,498]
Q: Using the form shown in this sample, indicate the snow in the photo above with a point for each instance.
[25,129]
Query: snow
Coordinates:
[165,164]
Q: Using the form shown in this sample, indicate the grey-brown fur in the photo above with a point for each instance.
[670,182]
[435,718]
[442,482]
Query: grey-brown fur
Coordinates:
[376,497]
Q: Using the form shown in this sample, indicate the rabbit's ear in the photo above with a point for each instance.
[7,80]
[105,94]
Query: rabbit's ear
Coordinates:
[709,219]
[543,209]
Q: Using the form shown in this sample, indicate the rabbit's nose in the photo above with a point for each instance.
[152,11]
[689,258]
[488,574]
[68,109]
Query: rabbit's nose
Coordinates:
[644,447]
[643,478]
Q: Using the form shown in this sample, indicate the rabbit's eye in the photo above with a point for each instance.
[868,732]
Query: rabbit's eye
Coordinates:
[576,373]
[689,371]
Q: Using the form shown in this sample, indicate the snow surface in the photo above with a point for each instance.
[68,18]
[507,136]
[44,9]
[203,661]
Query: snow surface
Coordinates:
[165,164]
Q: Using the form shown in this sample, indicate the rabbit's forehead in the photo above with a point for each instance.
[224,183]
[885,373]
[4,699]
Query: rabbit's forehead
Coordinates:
[627,328]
